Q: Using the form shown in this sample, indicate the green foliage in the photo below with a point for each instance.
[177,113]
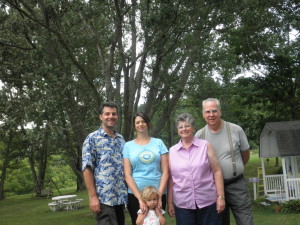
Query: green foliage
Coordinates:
[259,200]
[61,59]
[60,172]
[35,211]
[19,178]
[292,206]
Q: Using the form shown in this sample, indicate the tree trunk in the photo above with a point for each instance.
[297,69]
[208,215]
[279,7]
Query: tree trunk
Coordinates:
[4,167]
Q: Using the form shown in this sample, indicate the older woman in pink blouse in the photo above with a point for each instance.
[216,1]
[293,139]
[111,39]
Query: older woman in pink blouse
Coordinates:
[195,189]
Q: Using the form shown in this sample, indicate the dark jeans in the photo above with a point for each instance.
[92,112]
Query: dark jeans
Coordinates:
[204,216]
[111,215]
[134,206]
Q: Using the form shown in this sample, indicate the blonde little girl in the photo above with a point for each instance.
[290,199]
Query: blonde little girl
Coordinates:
[153,215]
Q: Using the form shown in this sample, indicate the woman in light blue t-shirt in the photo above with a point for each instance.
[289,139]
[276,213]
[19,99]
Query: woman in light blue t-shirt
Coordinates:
[145,164]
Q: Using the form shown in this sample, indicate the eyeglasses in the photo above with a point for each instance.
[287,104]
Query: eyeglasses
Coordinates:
[183,127]
[208,112]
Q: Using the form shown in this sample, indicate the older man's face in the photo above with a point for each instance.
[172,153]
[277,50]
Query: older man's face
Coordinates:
[211,113]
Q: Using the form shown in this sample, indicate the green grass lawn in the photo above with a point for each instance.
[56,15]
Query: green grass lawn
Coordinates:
[29,210]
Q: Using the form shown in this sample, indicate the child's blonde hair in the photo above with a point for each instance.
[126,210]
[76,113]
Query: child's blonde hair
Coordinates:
[148,191]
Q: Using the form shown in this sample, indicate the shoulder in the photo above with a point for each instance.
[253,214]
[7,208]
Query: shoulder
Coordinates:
[97,134]
[119,135]
[199,132]
[199,141]
[175,147]
[156,140]
[129,143]
[235,127]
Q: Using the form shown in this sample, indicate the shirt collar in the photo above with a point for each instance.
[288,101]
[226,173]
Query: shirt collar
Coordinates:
[104,134]
[179,146]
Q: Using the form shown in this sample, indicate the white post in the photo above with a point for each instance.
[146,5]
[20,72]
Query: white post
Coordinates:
[254,180]
[285,178]
[254,190]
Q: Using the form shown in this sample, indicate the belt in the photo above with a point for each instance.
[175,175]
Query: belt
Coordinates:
[233,180]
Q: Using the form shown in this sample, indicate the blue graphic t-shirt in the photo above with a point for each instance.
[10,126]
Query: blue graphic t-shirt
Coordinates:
[145,162]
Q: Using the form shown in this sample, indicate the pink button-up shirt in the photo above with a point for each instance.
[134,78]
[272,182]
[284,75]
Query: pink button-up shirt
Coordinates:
[193,181]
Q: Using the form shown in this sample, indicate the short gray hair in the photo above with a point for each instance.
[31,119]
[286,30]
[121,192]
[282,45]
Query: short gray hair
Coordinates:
[212,100]
[185,117]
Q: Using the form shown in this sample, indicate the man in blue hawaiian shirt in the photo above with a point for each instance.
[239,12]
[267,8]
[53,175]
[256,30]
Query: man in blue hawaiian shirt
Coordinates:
[102,166]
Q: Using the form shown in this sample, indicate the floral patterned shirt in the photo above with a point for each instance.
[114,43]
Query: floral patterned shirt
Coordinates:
[103,155]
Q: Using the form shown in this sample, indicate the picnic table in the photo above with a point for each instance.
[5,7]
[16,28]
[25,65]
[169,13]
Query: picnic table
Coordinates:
[66,202]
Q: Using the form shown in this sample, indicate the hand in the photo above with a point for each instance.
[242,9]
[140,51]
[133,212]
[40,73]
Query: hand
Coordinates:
[95,204]
[144,214]
[159,204]
[220,205]
[143,206]
[171,210]
[157,211]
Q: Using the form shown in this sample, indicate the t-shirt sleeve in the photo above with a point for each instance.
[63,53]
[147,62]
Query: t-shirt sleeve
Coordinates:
[125,151]
[162,147]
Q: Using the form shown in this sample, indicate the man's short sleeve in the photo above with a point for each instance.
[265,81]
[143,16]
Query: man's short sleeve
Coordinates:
[88,154]
[244,144]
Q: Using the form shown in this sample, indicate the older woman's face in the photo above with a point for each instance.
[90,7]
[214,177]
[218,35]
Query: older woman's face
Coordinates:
[185,129]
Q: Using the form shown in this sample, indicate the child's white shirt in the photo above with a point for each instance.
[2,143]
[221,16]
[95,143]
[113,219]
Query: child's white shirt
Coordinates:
[151,218]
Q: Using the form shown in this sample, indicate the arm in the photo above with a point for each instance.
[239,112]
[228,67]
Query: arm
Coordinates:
[131,183]
[171,210]
[245,156]
[162,220]
[164,177]
[218,177]
[90,185]
[141,217]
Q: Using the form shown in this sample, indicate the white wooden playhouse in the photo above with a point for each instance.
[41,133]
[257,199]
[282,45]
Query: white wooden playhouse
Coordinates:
[281,139]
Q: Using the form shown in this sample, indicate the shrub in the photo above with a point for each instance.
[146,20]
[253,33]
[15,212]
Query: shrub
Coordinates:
[292,206]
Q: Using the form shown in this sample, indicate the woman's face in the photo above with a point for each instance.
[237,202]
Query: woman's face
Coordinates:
[185,129]
[140,124]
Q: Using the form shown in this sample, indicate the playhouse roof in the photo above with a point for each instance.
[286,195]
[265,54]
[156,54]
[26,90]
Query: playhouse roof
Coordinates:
[279,139]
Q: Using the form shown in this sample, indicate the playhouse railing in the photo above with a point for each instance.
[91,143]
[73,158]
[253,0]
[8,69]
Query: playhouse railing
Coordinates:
[273,184]
[275,189]
[293,187]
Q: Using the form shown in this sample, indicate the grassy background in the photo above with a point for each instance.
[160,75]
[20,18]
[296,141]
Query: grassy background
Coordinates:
[29,210]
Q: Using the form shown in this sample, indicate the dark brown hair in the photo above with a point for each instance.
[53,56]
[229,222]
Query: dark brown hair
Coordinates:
[108,104]
[144,116]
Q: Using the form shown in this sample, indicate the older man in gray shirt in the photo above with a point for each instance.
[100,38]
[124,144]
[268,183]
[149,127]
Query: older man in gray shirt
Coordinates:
[232,149]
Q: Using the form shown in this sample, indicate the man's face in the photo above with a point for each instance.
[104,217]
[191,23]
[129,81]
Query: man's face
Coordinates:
[109,117]
[211,113]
